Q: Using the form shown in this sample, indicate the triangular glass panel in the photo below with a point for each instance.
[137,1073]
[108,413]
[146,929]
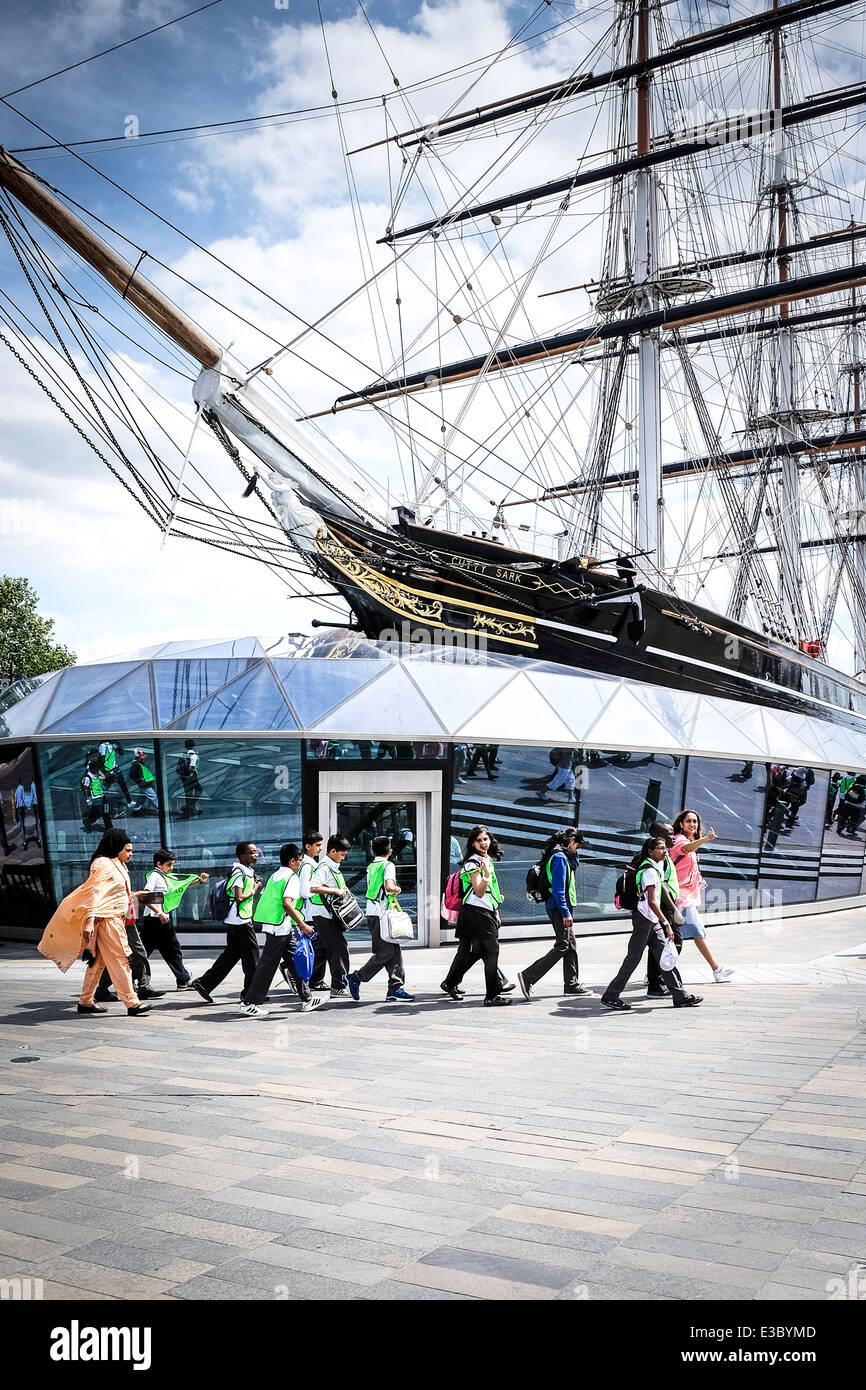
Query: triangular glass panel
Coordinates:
[626,723]
[182,684]
[315,685]
[123,707]
[253,702]
[728,730]
[784,745]
[676,709]
[458,694]
[518,711]
[577,698]
[391,707]
[23,716]
[82,683]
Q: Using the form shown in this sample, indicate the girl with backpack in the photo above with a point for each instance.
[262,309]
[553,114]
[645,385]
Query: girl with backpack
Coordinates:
[689,837]
[558,863]
[650,928]
[478,923]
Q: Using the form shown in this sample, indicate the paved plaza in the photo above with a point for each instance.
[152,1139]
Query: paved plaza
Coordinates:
[447,1151]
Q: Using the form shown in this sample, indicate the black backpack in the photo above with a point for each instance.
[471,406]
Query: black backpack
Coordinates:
[536,884]
[626,894]
[184,766]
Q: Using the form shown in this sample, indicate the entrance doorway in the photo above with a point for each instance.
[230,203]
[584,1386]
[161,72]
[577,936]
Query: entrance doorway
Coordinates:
[404,805]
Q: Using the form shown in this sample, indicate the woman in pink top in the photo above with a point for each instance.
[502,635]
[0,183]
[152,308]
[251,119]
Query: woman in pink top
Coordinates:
[689,837]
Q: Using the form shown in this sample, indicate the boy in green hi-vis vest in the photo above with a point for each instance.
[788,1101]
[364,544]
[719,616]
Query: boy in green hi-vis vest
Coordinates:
[145,781]
[327,878]
[279,915]
[157,928]
[382,890]
[242,886]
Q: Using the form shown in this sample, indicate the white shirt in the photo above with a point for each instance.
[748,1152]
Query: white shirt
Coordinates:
[377,908]
[155,883]
[478,861]
[234,919]
[323,877]
[307,869]
[650,877]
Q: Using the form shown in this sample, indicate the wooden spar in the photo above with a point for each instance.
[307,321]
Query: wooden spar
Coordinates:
[669,321]
[26,188]
[447,381]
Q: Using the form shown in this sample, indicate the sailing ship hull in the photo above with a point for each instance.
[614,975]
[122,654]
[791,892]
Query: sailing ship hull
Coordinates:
[422,585]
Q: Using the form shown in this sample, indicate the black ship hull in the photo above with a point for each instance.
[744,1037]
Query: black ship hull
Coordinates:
[419,585]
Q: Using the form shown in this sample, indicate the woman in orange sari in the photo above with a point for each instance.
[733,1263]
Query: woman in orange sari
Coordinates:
[92,918]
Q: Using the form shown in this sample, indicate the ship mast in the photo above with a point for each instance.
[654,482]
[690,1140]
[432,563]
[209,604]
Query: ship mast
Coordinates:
[650,537]
[788,510]
[858,611]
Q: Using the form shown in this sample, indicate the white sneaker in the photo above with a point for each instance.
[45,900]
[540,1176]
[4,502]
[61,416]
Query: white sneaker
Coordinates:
[723,973]
[339,994]
[309,1004]
[253,1010]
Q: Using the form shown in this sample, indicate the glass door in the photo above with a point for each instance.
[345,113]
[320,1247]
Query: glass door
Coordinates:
[361,822]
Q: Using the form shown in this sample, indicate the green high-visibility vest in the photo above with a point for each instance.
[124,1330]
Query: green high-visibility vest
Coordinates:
[339,881]
[146,774]
[467,890]
[639,873]
[96,787]
[672,878]
[176,889]
[110,759]
[376,880]
[269,908]
[245,908]
[570,886]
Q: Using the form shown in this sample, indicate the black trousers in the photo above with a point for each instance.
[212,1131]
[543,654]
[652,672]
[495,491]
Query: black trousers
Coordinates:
[478,940]
[386,956]
[275,949]
[162,937]
[653,974]
[564,949]
[331,949]
[139,965]
[241,945]
[643,933]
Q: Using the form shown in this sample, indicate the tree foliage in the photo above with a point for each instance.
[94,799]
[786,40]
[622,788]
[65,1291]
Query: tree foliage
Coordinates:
[27,644]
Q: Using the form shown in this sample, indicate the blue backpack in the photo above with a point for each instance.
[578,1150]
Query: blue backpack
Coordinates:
[304,957]
[219,903]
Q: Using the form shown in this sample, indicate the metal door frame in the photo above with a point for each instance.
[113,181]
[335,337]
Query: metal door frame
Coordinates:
[425,789]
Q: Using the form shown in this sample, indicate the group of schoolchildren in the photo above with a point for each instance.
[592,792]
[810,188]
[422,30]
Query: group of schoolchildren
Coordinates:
[297,904]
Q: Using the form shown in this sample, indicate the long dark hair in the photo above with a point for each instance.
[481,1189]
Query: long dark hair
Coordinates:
[111,844]
[495,849]
[560,839]
[678,823]
[651,844]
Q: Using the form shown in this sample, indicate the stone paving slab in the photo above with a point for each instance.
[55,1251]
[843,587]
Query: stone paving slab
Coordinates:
[547,1151]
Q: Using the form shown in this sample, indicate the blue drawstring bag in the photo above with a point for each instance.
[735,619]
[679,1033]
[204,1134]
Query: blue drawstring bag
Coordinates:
[304,958]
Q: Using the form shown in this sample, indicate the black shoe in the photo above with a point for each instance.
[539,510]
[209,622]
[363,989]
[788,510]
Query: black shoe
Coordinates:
[689,1002]
[90,1009]
[525,986]
[577,989]
[456,994]
[139,1009]
[184,984]
[146,992]
[200,989]
[615,1005]
[497,1000]
[506,987]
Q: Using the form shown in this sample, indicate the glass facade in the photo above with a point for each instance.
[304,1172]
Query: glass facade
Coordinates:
[198,745]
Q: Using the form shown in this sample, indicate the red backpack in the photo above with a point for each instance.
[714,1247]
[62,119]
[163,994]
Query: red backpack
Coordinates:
[452,898]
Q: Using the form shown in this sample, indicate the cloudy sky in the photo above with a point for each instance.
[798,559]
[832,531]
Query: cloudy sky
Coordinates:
[273,202]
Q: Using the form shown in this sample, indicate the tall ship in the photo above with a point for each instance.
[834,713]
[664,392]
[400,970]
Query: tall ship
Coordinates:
[597,396]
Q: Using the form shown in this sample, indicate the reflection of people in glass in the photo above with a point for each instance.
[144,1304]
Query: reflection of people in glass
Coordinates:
[852,808]
[108,753]
[93,918]
[839,784]
[689,837]
[25,800]
[145,781]
[486,753]
[187,771]
[563,760]
[96,803]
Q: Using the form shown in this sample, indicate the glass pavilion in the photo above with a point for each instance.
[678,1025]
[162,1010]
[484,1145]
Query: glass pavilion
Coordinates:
[422,742]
